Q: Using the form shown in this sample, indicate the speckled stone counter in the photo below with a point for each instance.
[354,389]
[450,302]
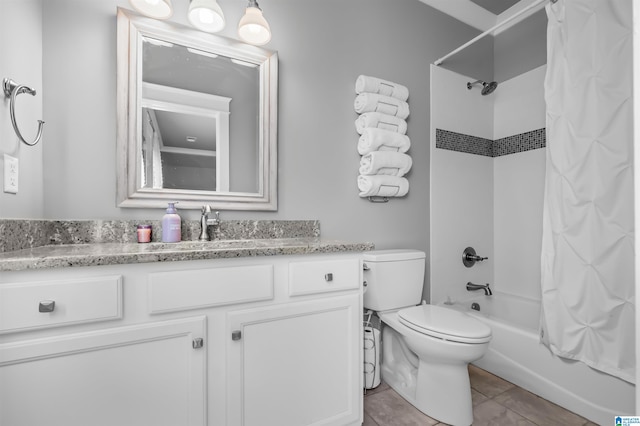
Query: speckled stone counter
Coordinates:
[18,234]
[57,244]
[121,253]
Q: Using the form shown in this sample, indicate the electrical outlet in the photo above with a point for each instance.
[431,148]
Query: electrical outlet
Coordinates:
[10,174]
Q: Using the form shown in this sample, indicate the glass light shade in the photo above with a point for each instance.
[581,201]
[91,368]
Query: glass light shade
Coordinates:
[253,28]
[206,15]
[157,9]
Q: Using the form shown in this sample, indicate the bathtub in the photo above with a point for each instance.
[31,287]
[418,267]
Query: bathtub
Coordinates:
[516,355]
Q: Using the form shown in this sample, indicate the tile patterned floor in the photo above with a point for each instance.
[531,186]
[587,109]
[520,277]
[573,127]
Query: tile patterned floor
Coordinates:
[496,402]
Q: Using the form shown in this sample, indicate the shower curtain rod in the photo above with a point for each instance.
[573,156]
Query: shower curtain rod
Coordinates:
[492,29]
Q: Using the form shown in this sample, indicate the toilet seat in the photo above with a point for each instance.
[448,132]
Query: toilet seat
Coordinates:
[445,323]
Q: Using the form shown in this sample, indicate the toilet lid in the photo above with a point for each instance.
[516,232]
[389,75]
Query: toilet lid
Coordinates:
[445,323]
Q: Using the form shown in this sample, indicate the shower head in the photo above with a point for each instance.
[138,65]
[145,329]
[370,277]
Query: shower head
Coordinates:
[486,87]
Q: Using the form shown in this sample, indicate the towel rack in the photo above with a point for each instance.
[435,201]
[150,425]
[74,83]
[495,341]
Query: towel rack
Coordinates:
[378,199]
[11,90]
[383,110]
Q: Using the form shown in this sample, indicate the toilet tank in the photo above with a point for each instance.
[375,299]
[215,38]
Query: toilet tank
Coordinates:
[394,278]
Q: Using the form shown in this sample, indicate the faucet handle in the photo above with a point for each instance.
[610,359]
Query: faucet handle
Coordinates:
[469,257]
[216,221]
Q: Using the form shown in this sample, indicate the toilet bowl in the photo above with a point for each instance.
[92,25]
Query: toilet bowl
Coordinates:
[425,359]
[425,348]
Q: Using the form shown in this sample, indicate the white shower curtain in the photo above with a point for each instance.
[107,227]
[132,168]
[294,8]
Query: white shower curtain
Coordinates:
[588,297]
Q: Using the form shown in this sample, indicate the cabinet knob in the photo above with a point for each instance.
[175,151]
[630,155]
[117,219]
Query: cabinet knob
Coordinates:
[328,277]
[198,342]
[47,306]
[236,335]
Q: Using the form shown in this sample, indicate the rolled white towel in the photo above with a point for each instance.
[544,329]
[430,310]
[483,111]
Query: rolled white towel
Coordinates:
[385,163]
[373,139]
[372,102]
[369,84]
[382,186]
[381,121]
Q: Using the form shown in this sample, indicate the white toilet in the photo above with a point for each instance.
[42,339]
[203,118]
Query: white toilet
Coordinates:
[425,348]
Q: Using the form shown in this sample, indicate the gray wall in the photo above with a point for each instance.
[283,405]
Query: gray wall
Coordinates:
[21,60]
[323,46]
[521,48]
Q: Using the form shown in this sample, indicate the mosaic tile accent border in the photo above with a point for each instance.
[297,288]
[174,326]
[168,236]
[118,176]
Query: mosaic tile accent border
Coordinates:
[463,143]
[521,142]
[527,141]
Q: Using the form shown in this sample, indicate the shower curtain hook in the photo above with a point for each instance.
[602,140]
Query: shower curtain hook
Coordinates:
[11,90]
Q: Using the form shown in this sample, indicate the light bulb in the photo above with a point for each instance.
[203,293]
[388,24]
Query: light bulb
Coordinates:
[253,28]
[206,15]
[157,9]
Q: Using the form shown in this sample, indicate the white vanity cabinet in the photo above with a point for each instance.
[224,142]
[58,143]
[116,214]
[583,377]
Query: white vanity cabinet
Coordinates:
[248,341]
[98,373]
[295,363]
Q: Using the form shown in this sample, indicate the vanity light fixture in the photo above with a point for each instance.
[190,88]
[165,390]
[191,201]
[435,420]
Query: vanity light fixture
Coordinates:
[244,63]
[157,42]
[206,15]
[157,9]
[253,28]
[201,52]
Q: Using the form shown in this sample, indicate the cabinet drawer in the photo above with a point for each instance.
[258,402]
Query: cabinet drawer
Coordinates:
[323,276]
[23,306]
[200,288]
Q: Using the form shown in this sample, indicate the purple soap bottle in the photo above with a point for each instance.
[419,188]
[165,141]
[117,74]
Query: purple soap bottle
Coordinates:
[171,229]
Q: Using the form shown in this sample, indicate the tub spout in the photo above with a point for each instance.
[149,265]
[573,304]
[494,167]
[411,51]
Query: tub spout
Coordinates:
[473,287]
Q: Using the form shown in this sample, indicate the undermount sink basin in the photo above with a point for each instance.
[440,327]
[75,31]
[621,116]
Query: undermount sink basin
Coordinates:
[226,244]
[195,245]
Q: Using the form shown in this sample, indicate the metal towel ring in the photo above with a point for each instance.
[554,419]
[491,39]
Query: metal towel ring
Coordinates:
[11,90]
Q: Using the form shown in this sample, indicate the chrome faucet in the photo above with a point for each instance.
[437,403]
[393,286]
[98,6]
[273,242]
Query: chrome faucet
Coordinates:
[473,287]
[206,221]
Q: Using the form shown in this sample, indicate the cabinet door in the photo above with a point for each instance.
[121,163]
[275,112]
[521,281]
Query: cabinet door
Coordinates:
[141,375]
[296,364]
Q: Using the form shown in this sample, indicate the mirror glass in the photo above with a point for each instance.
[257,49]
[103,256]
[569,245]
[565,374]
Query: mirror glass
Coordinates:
[200,124]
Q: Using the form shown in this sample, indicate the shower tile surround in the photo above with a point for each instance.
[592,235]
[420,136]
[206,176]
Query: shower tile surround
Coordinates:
[521,142]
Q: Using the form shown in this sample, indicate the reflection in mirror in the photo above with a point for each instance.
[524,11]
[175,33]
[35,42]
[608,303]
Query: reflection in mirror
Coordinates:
[175,159]
[200,127]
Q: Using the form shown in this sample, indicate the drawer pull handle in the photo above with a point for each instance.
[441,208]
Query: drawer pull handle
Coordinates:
[47,306]
[328,277]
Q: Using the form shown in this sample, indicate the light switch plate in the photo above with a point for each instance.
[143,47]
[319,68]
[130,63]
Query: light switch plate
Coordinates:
[10,174]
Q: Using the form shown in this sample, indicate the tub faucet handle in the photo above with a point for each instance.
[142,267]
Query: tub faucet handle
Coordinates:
[469,257]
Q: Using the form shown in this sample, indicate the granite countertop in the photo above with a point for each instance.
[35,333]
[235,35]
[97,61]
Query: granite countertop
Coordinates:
[40,244]
[70,255]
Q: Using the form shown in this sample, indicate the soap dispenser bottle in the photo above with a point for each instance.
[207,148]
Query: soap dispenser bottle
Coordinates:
[171,229]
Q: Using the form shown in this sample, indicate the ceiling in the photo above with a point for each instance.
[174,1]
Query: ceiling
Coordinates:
[485,14]
[495,6]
